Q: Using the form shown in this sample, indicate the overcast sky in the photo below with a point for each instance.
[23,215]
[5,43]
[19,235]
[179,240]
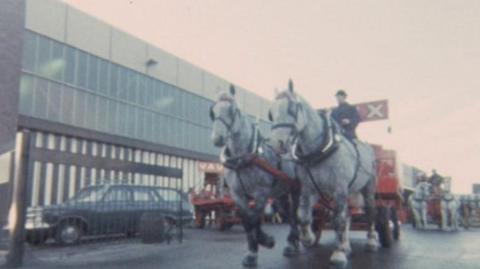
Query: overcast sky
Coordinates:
[422,55]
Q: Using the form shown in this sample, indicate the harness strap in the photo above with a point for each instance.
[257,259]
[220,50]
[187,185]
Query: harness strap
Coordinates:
[357,166]
[243,185]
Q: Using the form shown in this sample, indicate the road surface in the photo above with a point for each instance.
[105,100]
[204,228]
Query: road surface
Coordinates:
[212,249]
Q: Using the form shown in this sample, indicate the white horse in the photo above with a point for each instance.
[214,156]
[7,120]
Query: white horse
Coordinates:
[330,165]
[450,207]
[239,139]
[418,203]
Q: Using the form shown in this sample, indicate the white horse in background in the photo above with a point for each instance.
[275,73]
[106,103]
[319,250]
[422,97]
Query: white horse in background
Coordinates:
[418,202]
[450,207]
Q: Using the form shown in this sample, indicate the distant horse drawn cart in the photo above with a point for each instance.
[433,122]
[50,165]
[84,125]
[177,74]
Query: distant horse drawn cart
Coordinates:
[213,205]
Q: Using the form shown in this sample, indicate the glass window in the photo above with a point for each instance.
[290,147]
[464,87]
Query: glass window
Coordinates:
[118,194]
[70,63]
[139,123]
[90,194]
[79,108]
[92,73]
[122,118]
[66,114]
[40,99]
[57,64]
[149,125]
[26,95]
[81,78]
[29,51]
[142,195]
[168,195]
[102,114]
[123,83]
[43,66]
[113,80]
[132,87]
[131,116]
[142,88]
[53,101]
[5,167]
[104,76]
[91,113]
[169,100]
[112,116]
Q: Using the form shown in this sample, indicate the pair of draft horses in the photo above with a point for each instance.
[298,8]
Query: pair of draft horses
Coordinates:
[308,148]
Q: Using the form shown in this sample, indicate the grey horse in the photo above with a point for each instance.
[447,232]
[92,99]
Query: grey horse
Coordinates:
[450,207]
[239,139]
[331,166]
[418,203]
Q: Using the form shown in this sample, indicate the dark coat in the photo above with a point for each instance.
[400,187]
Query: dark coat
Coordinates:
[347,111]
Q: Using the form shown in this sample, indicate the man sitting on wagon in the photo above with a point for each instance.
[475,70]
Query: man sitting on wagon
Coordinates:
[436,180]
[346,115]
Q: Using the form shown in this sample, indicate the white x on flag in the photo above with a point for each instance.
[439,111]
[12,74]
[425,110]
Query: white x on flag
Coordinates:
[375,111]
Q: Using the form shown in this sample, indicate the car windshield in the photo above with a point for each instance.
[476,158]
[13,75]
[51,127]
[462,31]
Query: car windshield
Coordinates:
[91,194]
[169,195]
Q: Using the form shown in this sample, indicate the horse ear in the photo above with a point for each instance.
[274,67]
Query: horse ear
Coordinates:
[290,85]
[212,114]
[232,90]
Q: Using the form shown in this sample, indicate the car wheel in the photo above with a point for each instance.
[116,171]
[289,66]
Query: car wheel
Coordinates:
[68,233]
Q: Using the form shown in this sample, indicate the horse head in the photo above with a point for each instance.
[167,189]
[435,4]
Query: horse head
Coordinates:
[423,190]
[288,117]
[225,117]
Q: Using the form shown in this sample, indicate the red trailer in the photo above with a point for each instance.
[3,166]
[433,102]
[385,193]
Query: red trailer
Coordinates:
[213,204]
[389,202]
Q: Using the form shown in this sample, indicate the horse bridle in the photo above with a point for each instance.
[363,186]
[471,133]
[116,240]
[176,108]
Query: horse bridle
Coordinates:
[292,111]
[234,112]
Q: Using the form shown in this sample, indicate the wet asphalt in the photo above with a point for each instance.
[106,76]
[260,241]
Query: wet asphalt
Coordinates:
[208,248]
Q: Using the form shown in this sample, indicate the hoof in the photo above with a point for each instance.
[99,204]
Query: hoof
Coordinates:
[372,246]
[339,259]
[290,251]
[267,241]
[250,261]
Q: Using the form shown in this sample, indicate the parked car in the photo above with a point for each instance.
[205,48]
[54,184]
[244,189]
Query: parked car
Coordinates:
[105,209]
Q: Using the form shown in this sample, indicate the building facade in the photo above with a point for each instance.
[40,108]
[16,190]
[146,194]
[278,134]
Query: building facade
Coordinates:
[90,89]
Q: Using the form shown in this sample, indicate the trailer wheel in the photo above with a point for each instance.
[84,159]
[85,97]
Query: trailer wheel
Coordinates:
[383,228]
[152,228]
[396,224]
[317,227]
[199,219]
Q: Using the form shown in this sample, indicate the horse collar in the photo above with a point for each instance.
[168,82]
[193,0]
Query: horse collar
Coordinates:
[325,148]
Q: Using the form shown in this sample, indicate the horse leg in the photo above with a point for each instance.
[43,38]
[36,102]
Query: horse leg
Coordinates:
[248,221]
[292,249]
[305,218]
[341,224]
[424,219]
[371,211]
[416,215]
[444,215]
[263,238]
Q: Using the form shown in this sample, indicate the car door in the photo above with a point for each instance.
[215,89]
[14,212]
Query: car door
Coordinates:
[117,205]
[144,200]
